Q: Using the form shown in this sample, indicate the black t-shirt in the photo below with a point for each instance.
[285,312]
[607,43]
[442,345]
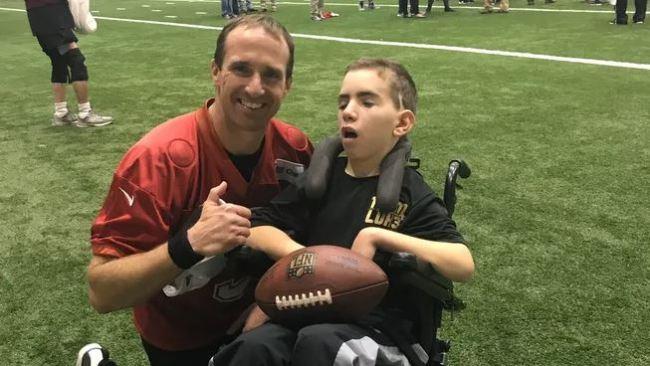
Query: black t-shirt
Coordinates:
[348,206]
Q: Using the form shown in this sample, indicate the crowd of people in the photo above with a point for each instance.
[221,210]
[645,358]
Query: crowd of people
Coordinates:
[411,8]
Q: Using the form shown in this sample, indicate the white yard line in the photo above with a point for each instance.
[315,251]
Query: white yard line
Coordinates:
[524,55]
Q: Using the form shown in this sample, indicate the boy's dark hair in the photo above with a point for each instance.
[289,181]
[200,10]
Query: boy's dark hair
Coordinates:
[402,88]
[268,23]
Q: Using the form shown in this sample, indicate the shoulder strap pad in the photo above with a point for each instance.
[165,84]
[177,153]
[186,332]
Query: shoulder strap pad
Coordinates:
[320,167]
[391,176]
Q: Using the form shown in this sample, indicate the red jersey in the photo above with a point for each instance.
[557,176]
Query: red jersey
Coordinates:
[158,183]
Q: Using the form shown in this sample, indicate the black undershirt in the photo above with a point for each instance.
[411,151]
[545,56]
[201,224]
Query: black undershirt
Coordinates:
[246,164]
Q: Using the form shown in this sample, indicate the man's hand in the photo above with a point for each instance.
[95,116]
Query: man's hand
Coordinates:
[221,227]
[255,319]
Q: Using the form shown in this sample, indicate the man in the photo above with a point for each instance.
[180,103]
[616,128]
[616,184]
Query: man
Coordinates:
[377,106]
[228,150]
[52,23]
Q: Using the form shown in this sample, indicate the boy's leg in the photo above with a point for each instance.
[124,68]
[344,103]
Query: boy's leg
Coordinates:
[269,345]
[348,345]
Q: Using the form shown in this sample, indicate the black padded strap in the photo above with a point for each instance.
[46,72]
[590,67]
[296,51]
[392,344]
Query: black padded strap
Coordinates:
[390,177]
[320,167]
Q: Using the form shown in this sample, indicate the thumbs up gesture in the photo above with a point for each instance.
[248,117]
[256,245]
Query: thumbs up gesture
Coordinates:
[221,227]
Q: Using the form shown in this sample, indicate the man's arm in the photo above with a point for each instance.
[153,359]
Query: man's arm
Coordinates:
[452,260]
[118,283]
[125,282]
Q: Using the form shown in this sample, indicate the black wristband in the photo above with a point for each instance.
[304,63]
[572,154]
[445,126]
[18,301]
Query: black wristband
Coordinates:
[181,251]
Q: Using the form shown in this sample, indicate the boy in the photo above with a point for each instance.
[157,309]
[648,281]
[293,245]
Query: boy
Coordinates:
[377,105]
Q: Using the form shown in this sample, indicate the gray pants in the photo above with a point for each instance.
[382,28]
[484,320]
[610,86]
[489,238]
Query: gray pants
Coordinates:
[315,345]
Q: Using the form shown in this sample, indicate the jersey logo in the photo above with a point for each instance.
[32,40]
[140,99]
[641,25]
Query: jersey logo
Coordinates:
[230,290]
[129,198]
[391,220]
[288,170]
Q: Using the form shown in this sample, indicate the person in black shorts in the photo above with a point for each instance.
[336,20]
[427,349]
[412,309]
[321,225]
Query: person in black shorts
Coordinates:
[52,24]
[377,105]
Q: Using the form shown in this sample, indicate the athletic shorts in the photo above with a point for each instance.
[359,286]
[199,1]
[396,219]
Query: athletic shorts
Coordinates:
[52,25]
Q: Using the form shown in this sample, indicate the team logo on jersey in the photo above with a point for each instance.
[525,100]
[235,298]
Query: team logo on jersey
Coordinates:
[391,220]
[288,170]
[130,198]
[301,265]
[230,290]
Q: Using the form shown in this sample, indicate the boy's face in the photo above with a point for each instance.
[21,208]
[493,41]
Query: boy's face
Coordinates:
[369,121]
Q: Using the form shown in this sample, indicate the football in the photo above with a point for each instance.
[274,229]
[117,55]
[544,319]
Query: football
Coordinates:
[321,284]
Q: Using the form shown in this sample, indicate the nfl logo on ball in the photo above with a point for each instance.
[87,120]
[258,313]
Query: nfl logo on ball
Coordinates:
[301,264]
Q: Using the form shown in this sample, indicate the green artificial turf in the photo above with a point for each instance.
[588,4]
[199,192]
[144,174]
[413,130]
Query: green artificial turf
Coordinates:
[556,211]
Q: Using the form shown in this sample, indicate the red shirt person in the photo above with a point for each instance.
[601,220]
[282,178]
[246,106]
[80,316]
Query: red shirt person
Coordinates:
[227,150]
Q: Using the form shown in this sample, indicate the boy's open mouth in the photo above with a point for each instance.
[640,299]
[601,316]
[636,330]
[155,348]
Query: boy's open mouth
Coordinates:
[348,133]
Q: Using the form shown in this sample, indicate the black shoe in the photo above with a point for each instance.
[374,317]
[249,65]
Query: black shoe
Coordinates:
[618,21]
[549,2]
[449,10]
[595,2]
[640,21]
[531,2]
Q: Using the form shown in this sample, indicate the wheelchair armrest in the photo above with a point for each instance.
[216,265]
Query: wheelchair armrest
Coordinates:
[406,270]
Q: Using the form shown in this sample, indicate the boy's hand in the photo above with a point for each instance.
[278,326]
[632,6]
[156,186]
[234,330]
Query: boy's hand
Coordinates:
[255,319]
[367,241]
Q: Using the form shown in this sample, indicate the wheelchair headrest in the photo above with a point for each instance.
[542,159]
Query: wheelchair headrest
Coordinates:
[391,171]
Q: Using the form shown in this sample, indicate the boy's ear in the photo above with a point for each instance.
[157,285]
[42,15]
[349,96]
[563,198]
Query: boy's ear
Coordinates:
[405,123]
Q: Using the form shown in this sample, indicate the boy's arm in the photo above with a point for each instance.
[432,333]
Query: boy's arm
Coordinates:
[272,241]
[452,260]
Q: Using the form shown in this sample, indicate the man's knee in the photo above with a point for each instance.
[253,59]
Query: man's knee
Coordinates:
[60,73]
[76,62]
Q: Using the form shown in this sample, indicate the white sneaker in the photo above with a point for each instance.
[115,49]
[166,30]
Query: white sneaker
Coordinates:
[66,120]
[93,120]
[93,354]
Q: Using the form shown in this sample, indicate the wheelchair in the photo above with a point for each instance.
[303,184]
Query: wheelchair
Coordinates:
[430,292]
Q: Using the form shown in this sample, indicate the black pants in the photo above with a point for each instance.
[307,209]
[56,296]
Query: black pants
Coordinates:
[194,357]
[315,345]
[639,14]
[415,6]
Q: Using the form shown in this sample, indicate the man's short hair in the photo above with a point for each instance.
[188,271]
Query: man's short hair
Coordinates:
[402,88]
[268,23]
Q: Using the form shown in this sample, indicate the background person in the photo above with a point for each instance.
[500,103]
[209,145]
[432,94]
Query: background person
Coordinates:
[51,23]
